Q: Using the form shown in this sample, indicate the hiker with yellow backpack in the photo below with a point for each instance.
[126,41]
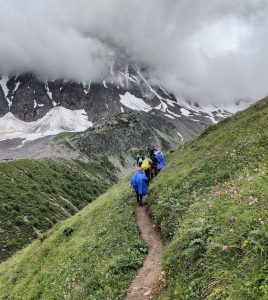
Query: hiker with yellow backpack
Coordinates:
[146,166]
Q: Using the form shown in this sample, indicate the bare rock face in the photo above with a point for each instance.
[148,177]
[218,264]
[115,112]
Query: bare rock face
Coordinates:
[29,97]
[3,104]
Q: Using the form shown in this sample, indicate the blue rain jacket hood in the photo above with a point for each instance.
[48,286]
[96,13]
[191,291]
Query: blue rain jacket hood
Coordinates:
[160,160]
[139,183]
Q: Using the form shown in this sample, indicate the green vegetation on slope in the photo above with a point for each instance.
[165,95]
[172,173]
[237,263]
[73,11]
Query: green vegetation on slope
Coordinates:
[211,204]
[97,260]
[122,133]
[34,195]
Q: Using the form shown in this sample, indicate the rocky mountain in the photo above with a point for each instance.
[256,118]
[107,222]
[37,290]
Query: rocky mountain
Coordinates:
[125,133]
[126,89]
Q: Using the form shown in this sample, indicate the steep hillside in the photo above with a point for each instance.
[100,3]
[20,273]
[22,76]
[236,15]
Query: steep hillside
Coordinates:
[35,195]
[211,204]
[93,255]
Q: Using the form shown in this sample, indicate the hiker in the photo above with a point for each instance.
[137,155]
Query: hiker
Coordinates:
[154,163]
[139,182]
[140,159]
[159,159]
[146,167]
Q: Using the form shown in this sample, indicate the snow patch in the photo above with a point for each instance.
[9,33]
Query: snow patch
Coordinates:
[173,114]
[185,112]
[104,83]
[3,84]
[170,102]
[158,107]
[17,86]
[149,86]
[38,104]
[211,117]
[169,116]
[57,120]
[180,135]
[164,106]
[49,93]
[134,103]
[122,109]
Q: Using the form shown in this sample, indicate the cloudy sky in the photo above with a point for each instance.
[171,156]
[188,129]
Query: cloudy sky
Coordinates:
[206,50]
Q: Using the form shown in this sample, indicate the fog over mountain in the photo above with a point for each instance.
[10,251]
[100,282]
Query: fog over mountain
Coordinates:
[212,51]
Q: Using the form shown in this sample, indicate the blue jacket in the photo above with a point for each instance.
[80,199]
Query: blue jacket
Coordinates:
[139,183]
[160,160]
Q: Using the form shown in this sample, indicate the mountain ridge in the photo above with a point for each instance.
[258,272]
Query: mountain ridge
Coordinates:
[126,89]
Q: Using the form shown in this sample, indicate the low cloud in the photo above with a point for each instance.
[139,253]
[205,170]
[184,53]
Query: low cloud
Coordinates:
[206,51]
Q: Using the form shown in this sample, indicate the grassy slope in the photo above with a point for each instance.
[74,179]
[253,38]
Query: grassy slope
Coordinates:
[216,232]
[97,261]
[34,195]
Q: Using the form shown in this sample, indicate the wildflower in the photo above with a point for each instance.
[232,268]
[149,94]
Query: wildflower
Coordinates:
[252,200]
[244,244]
[232,190]
[216,194]
[225,248]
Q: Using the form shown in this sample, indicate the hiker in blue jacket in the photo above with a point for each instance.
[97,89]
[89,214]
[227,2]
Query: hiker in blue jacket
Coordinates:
[139,182]
[160,160]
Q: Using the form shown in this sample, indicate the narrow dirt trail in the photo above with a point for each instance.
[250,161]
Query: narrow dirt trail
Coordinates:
[147,282]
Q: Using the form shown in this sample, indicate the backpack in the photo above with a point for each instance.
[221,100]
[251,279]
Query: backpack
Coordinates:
[153,158]
[145,165]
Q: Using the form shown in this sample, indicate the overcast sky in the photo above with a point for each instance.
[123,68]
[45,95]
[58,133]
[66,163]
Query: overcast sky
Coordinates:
[205,50]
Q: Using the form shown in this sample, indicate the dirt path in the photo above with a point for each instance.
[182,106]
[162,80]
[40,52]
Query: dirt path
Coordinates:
[147,282]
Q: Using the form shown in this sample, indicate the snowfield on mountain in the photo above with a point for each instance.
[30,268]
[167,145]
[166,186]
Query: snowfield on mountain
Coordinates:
[57,120]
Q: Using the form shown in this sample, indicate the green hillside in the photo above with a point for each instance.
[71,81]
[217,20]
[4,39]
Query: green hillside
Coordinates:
[97,260]
[211,204]
[34,195]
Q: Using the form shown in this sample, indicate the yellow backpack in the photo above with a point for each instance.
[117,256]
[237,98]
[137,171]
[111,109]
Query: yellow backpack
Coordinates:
[145,165]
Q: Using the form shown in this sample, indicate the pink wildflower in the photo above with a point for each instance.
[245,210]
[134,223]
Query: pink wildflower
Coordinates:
[232,189]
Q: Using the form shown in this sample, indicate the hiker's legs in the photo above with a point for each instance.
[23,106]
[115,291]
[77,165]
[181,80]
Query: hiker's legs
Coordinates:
[139,199]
